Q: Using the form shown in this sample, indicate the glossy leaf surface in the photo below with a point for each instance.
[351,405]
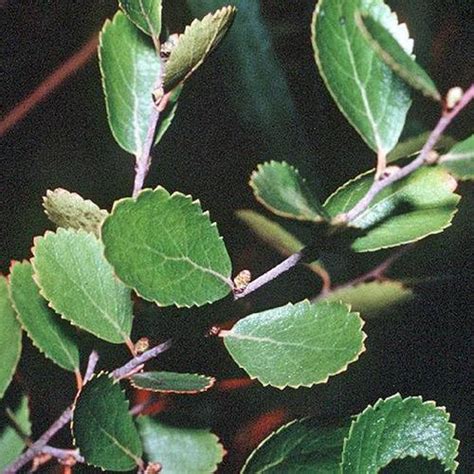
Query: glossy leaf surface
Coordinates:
[296,345]
[172,382]
[53,336]
[80,285]
[166,248]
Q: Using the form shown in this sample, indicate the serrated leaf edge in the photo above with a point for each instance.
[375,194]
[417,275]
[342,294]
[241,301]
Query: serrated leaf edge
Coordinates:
[258,197]
[18,317]
[195,203]
[211,382]
[342,369]
[397,396]
[148,33]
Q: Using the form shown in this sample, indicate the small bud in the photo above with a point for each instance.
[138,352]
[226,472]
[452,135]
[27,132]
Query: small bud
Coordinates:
[168,46]
[142,345]
[153,468]
[242,280]
[214,331]
[432,157]
[389,171]
[453,96]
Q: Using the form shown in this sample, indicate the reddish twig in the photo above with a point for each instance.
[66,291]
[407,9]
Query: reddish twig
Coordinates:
[52,82]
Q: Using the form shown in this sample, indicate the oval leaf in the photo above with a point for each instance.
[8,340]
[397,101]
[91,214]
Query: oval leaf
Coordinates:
[146,14]
[301,446]
[11,444]
[48,332]
[406,211]
[396,428]
[102,427]
[172,382]
[195,44]
[460,159]
[71,211]
[180,449]
[391,53]
[297,345]
[167,249]
[79,284]
[371,96]
[10,338]
[374,298]
[129,76]
[280,188]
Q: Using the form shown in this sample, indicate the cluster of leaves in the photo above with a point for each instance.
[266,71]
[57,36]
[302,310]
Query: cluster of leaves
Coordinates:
[164,248]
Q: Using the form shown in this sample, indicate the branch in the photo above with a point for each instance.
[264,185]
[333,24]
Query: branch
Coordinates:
[52,82]
[64,455]
[380,184]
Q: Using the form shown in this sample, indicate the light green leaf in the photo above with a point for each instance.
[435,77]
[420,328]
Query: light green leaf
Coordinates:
[371,96]
[71,211]
[408,210]
[301,446]
[146,14]
[10,338]
[372,299]
[396,428]
[167,249]
[51,335]
[129,76]
[297,345]
[11,444]
[80,285]
[102,427]
[172,382]
[391,53]
[280,188]
[195,44]
[179,449]
[459,161]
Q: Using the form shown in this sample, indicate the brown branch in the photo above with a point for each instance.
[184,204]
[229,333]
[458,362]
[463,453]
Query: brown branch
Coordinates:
[52,82]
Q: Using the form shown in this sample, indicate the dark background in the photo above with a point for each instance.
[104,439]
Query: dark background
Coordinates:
[259,97]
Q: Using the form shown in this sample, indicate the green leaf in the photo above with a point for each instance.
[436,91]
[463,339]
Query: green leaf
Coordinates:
[167,249]
[459,161]
[11,444]
[167,116]
[297,345]
[195,44]
[146,14]
[51,335]
[129,76]
[391,53]
[396,428]
[102,427]
[302,446]
[180,449]
[374,298]
[371,96]
[71,211]
[10,338]
[79,284]
[408,210]
[172,382]
[280,188]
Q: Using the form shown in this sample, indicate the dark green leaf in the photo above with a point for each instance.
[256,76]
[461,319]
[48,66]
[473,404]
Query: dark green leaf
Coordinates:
[167,249]
[79,284]
[391,53]
[195,44]
[180,450]
[10,338]
[408,210]
[301,446]
[146,14]
[102,427]
[459,161]
[129,76]
[297,345]
[172,382]
[11,444]
[51,335]
[280,188]
[396,428]
[371,96]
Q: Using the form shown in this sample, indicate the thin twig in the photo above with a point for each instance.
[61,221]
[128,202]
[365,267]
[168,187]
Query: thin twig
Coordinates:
[52,82]
[63,454]
[92,362]
[380,184]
